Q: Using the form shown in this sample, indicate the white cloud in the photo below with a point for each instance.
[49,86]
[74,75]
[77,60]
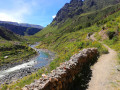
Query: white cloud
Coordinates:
[53,16]
[7,17]
[20,9]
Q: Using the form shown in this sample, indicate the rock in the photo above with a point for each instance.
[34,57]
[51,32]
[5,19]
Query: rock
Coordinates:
[25,88]
[53,79]
[36,89]
[44,76]
[5,57]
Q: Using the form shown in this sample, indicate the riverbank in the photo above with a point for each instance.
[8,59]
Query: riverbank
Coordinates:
[14,55]
[10,65]
[26,68]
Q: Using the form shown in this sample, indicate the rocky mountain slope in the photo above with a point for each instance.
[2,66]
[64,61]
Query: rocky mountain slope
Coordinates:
[21,28]
[77,7]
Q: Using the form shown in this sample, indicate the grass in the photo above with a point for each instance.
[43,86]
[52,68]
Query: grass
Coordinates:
[112,26]
[15,51]
[68,38]
[66,46]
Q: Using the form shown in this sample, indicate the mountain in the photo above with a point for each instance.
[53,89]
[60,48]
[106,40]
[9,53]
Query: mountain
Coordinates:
[6,34]
[93,13]
[30,25]
[66,35]
[23,24]
[21,28]
[69,35]
[77,7]
[69,31]
[13,49]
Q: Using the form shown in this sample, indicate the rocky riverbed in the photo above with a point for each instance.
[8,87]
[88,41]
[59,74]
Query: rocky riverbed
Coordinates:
[15,72]
[10,65]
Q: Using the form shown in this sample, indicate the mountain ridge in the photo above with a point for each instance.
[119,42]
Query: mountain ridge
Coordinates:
[77,7]
[23,24]
[21,28]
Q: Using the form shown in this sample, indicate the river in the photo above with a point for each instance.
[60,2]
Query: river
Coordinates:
[43,58]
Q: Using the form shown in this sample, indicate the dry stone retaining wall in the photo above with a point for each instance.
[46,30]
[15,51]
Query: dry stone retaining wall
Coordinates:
[62,77]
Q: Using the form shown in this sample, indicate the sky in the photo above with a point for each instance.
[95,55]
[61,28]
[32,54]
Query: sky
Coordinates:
[40,12]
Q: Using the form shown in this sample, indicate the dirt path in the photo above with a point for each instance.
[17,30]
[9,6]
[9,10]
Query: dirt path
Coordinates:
[105,75]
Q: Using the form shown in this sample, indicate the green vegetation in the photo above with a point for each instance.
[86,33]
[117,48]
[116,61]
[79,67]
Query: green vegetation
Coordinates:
[52,33]
[64,53]
[77,7]
[6,34]
[13,48]
[21,29]
[11,52]
[70,37]
[112,29]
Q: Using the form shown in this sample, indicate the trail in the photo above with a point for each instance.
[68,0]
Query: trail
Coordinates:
[105,74]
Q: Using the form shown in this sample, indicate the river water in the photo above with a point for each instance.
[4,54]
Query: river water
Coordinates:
[42,59]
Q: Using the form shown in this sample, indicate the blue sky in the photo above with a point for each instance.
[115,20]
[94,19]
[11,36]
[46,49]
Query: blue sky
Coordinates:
[39,12]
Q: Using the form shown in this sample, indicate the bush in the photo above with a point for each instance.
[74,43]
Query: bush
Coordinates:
[110,34]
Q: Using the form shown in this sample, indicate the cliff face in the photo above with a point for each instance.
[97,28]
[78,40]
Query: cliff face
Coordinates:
[77,7]
[69,10]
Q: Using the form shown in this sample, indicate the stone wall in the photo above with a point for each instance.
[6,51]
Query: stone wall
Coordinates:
[63,76]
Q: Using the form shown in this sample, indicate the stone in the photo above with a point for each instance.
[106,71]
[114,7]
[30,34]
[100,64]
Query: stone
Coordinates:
[61,77]
[5,57]
[36,89]
[53,79]
[44,76]
[25,88]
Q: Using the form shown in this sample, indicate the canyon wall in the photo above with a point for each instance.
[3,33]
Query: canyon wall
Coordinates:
[63,77]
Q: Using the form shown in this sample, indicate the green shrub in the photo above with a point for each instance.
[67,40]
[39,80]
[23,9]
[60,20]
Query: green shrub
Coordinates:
[110,34]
